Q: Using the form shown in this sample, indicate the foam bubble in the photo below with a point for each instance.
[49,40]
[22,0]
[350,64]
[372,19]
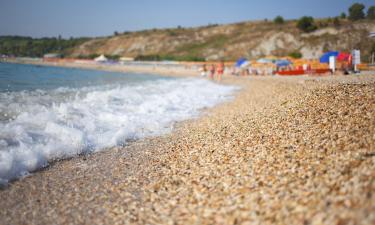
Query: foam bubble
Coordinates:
[61,123]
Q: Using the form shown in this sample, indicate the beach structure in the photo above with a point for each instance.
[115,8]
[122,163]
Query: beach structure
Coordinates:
[52,56]
[101,58]
[126,59]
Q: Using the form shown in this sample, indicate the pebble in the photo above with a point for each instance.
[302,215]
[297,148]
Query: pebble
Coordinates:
[285,151]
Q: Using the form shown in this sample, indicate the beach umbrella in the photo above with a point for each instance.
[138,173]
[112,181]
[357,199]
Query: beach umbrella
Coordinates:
[325,56]
[282,62]
[242,62]
[343,56]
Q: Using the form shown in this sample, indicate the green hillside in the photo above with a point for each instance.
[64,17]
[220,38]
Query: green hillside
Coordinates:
[252,39]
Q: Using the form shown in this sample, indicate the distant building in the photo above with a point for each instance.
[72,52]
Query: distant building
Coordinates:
[101,58]
[126,59]
[52,56]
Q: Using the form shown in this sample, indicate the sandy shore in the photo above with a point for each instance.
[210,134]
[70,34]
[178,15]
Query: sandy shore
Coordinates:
[294,150]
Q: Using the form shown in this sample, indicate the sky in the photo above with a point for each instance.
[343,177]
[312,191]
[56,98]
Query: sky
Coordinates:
[93,18]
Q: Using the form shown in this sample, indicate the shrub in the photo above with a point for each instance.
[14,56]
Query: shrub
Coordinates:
[373,47]
[295,55]
[306,24]
[148,58]
[371,13]
[90,56]
[37,47]
[322,24]
[113,57]
[172,32]
[279,20]
[336,22]
[343,15]
[356,12]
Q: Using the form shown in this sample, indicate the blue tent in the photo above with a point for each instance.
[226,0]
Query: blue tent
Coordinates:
[264,60]
[282,62]
[325,57]
[241,62]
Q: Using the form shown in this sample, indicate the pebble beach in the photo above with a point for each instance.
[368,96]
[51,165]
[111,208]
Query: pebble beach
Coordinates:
[286,150]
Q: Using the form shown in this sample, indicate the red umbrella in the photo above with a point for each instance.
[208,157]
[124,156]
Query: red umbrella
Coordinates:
[343,56]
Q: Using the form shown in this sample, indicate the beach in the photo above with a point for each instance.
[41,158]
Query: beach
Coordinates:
[148,68]
[286,150]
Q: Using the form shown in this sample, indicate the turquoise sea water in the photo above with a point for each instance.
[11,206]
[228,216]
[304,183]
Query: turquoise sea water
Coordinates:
[49,113]
[19,77]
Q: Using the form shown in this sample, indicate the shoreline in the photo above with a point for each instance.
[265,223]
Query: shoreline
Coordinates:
[227,165]
[164,71]
[128,143]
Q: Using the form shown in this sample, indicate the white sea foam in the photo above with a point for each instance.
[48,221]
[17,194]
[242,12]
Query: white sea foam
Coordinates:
[37,127]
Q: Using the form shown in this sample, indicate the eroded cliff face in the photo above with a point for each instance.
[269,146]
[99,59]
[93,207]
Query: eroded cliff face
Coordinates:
[249,39]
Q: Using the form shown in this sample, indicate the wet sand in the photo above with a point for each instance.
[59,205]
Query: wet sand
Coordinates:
[296,150]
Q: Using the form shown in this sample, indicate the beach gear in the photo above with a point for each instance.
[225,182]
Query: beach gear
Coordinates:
[343,56]
[265,60]
[242,62]
[325,56]
[282,62]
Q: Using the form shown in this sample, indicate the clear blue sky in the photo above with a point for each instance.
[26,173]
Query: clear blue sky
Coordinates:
[39,18]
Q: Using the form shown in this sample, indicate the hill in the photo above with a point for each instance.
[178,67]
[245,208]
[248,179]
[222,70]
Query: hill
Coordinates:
[229,42]
[37,47]
[214,42]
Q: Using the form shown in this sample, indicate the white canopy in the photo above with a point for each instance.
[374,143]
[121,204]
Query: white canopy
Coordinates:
[101,58]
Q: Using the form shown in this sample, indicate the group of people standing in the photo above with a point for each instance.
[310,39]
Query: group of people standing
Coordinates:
[215,72]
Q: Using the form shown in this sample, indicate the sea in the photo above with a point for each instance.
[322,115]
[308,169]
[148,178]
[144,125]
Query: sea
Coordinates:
[52,113]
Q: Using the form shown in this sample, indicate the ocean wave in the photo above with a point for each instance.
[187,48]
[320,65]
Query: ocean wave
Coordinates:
[41,126]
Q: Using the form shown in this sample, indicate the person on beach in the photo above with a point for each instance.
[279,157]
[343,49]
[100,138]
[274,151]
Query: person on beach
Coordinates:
[212,71]
[204,70]
[220,71]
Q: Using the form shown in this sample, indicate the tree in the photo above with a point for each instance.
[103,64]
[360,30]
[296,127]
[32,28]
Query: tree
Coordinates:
[306,24]
[115,33]
[279,20]
[25,46]
[356,12]
[371,13]
[373,47]
[343,15]
[336,22]
[295,55]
